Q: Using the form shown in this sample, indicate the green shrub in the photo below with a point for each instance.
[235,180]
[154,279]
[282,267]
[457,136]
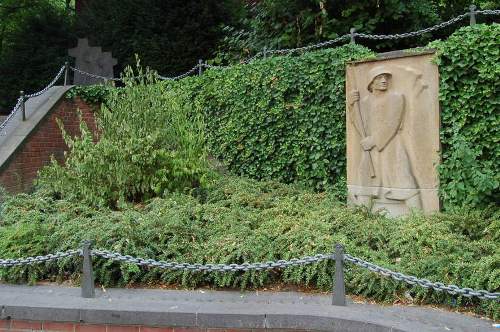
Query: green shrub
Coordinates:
[283,118]
[470,120]
[91,94]
[248,221]
[149,142]
[34,39]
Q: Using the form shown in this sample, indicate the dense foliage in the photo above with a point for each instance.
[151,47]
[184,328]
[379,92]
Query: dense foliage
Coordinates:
[240,220]
[470,119]
[286,24]
[149,142]
[169,36]
[34,37]
[282,118]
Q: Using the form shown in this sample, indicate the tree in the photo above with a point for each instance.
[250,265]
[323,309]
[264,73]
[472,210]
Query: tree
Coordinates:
[169,36]
[289,24]
[34,37]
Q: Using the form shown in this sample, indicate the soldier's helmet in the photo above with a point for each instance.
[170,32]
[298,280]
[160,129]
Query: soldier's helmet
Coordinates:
[374,72]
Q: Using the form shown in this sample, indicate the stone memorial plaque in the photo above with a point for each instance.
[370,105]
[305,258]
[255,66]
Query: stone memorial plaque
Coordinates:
[392,121]
[92,60]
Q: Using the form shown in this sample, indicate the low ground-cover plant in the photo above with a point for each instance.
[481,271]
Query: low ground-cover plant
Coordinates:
[240,220]
[149,142]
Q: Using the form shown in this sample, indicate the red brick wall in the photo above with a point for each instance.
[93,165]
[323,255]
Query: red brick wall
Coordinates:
[18,173]
[25,326]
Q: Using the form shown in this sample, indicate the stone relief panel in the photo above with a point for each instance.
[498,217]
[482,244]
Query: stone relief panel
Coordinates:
[392,121]
[92,60]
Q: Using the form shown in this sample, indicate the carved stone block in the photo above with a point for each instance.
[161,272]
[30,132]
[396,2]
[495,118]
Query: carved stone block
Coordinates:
[392,121]
[92,60]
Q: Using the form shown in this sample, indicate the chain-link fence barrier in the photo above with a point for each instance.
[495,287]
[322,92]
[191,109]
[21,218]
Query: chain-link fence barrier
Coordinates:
[39,259]
[23,98]
[437,286]
[212,267]
[339,257]
[265,53]
[350,36]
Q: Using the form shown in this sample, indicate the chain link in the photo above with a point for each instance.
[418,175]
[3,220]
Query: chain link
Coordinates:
[51,84]
[117,257]
[76,70]
[437,286]
[414,33]
[11,115]
[189,72]
[38,259]
[26,97]
[178,77]
[488,12]
[310,47]
[211,267]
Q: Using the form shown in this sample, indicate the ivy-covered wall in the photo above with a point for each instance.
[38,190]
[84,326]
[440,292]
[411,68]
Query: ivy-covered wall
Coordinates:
[283,118]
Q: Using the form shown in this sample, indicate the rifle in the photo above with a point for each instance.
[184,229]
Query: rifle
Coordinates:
[363,132]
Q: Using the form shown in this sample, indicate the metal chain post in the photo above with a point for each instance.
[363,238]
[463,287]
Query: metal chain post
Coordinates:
[200,67]
[353,35]
[23,105]
[88,290]
[339,256]
[472,13]
[339,288]
[66,73]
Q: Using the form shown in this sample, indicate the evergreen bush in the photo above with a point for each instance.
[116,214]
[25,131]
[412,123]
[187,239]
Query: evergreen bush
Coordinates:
[148,142]
[239,220]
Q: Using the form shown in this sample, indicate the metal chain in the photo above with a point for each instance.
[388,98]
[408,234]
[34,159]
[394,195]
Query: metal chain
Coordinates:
[310,47]
[38,259]
[189,72]
[438,286]
[114,256]
[206,65]
[26,97]
[178,77]
[11,115]
[413,33]
[94,75]
[51,84]
[488,12]
[211,267]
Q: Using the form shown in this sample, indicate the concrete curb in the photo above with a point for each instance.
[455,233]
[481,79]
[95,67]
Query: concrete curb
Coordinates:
[222,309]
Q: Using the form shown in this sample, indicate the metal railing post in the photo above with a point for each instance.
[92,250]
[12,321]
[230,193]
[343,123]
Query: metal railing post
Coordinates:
[200,67]
[88,290]
[339,288]
[472,14]
[66,73]
[23,105]
[353,35]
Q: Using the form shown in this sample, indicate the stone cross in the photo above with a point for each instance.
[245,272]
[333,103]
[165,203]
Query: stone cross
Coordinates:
[392,121]
[92,60]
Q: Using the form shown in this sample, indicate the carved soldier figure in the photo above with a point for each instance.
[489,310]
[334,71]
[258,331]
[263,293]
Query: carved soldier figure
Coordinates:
[385,170]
